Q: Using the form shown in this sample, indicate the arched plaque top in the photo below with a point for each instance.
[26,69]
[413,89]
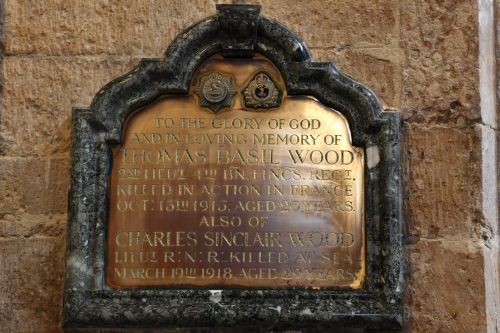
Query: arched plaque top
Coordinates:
[237,140]
[237,31]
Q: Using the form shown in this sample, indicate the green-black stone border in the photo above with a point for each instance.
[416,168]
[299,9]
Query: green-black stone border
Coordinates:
[236,31]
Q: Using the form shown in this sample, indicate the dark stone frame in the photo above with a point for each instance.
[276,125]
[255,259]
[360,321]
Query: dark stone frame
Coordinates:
[236,31]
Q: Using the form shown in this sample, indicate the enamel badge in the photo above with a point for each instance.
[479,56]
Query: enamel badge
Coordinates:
[262,92]
[215,91]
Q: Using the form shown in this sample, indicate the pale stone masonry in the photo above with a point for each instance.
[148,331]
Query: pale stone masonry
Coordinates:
[419,56]
[489,157]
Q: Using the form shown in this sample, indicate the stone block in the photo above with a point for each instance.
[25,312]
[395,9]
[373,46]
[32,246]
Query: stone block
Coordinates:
[37,102]
[34,186]
[31,284]
[145,28]
[442,181]
[333,24]
[27,225]
[76,27]
[446,288]
[378,69]
[439,40]
[10,200]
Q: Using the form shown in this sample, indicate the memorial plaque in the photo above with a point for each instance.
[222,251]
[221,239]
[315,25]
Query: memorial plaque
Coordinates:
[234,183]
[241,197]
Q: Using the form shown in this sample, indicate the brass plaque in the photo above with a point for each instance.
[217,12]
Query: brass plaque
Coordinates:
[240,197]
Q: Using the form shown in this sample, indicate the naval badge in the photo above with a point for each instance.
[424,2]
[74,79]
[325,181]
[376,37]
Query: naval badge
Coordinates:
[215,91]
[262,92]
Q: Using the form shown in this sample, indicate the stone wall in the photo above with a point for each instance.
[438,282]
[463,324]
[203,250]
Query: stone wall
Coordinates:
[419,56]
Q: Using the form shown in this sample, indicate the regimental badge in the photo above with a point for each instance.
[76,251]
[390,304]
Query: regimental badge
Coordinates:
[262,92]
[215,91]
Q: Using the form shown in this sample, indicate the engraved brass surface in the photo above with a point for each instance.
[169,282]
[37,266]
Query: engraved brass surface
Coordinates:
[241,198]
